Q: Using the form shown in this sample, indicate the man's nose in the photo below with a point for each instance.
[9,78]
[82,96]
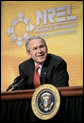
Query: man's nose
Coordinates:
[39,50]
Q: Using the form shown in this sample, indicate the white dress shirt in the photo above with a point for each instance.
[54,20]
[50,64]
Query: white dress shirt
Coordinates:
[40,68]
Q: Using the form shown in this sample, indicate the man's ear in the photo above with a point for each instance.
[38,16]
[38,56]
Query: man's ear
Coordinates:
[28,53]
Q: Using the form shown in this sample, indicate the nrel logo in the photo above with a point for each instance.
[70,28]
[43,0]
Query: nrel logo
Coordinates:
[54,19]
[48,22]
[14,24]
[53,15]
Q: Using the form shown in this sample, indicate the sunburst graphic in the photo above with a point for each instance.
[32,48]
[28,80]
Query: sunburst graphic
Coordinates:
[19,36]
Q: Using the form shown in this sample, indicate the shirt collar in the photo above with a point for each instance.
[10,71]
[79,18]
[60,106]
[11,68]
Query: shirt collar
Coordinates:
[40,65]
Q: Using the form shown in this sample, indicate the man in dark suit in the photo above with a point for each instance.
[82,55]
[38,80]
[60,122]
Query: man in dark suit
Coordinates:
[52,68]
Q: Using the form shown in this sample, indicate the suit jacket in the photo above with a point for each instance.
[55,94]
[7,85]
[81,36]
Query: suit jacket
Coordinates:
[54,71]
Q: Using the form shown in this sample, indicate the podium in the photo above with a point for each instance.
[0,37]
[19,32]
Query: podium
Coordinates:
[16,106]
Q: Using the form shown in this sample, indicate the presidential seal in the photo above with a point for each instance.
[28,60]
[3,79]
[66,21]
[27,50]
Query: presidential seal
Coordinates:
[45,101]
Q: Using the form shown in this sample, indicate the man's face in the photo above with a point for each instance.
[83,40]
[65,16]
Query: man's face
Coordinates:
[38,51]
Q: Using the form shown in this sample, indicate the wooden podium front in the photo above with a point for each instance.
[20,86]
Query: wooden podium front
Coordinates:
[16,106]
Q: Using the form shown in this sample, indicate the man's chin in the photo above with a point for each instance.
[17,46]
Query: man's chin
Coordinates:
[40,61]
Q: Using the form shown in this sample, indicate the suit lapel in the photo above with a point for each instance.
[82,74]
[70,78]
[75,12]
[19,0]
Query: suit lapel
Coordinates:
[30,71]
[45,70]
[43,75]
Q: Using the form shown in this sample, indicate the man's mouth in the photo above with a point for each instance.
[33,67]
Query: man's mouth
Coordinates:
[41,55]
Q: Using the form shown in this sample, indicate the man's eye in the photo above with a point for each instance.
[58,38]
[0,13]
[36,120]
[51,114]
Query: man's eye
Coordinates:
[34,48]
[41,46]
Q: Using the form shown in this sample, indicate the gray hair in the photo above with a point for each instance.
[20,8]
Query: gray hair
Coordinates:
[31,38]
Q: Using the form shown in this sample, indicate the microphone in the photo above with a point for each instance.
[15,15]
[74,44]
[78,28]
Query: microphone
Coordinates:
[24,77]
[16,80]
